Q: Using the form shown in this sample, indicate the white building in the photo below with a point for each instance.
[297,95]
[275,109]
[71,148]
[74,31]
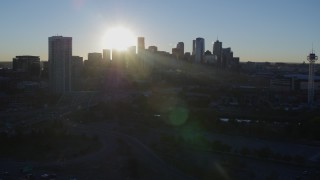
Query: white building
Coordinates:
[60,54]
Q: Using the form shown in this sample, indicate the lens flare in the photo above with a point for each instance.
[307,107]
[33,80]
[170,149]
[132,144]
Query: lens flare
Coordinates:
[178,116]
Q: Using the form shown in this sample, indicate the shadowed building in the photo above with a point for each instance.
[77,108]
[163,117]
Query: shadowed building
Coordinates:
[27,64]
[60,53]
[217,50]
[76,72]
[175,52]
[193,47]
[180,46]
[94,59]
[199,51]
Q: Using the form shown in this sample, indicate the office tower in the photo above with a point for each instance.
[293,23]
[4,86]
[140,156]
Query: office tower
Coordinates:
[27,64]
[180,46]
[106,54]
[199,51]
[60,53]
[193,47]
[76,72]
[141,45]
[217,50]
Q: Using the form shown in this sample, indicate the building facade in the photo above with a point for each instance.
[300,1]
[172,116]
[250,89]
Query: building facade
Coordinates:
[180,46]
[193,47]
[76,72]
[217,50]
[199,51]
[60,54]
[153,49]
[141,45]
[27,64]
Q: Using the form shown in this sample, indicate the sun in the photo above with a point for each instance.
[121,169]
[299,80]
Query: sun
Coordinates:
[119,38]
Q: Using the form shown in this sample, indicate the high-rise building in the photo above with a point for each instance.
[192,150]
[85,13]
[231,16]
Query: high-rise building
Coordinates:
[180,46]
[193,47]
[60,53]
[106,54]
[141,45]
[76,72]
[217,50]
[27,64]
[227,57]
[199,51]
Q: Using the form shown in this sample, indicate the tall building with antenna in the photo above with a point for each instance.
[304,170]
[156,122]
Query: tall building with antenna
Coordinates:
[312,58]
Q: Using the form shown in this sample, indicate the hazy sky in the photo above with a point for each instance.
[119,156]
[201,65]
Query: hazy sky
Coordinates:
[256,30]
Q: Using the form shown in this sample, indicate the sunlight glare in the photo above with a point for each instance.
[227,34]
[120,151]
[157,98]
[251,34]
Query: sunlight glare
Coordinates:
[119,38]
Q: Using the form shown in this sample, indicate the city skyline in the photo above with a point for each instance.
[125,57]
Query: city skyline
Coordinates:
[256,31]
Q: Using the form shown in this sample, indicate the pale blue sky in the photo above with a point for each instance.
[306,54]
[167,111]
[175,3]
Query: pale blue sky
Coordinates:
[256,30]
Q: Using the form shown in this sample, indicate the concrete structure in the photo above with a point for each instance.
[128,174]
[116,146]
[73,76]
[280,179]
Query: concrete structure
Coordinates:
[60,53]
[199,50]
[27,64]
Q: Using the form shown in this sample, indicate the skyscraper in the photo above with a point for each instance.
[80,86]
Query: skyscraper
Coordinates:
[199,50]
[76,72]
[141,45]
[60,53]
[180,46]
[217,50]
